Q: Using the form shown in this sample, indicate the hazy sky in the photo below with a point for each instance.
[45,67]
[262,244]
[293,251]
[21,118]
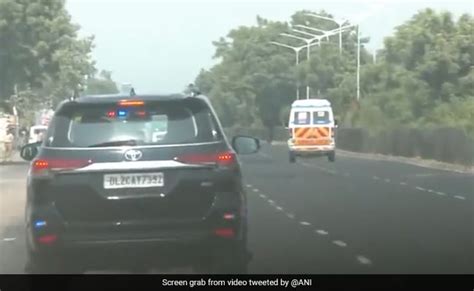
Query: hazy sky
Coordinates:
[160,46]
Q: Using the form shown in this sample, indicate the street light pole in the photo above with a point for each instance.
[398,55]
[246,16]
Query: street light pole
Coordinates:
[358,63]
[339,23]
[309,42]
[297,53]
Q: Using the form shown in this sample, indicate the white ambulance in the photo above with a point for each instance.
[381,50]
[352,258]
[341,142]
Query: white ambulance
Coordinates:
[312,129]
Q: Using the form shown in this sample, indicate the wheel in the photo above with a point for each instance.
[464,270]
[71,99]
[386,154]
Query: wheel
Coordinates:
[50,263]
[292,157]
[332,156]
[42,263]
[229,260]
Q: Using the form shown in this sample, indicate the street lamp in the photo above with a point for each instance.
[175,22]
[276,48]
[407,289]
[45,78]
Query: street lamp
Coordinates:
[297,53]
[339,23]
[308,46]
[309,42]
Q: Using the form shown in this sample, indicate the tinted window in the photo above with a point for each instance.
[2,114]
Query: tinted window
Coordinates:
[168,122]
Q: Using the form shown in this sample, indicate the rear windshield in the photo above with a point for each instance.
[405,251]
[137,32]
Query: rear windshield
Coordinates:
[156,123]
[302,118]
[321,117]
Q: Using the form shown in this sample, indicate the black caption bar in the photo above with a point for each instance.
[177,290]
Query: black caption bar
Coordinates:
[273,282]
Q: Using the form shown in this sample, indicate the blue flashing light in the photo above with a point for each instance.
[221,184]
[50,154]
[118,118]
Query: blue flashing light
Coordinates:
[122,113]
[40,223]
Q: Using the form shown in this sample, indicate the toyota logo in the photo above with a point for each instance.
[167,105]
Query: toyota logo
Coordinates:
[133,155]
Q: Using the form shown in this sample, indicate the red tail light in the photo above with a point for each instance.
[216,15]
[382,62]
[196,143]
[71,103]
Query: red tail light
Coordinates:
[222,159]
[225,232]
[42,165]
[48,239]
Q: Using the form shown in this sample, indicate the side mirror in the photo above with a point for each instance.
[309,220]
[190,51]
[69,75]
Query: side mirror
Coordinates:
[29,151]
[245,145]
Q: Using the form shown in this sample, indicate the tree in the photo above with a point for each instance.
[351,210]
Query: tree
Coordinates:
[40,48]
[102,84]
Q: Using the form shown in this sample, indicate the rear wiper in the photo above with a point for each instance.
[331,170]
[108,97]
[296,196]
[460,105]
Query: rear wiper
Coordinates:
[128,142]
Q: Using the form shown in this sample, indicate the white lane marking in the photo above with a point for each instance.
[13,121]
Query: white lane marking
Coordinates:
[429,190]
[460,197]
[387,180]
[375,178]
[271,201]
[255,190]
[363,260]
[420,188]
[9,239]
[305,223]
[279,208]
[290,216]
[340,243]
[249,186]
[322,232]
[441,193]
[263,196]
[403,183]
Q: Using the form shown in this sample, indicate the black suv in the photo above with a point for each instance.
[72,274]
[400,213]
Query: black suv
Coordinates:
[122,171]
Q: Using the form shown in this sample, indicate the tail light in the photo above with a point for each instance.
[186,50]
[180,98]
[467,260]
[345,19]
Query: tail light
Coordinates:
[47,239]
[42,166]
[225,232]
[227,158]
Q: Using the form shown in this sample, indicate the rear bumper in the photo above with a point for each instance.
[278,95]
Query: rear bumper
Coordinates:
[311,150]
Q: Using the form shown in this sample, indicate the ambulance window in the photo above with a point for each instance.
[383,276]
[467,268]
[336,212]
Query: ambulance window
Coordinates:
[302,118]
[320,117]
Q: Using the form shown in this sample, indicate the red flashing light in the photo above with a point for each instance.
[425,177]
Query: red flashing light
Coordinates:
[140,113]
[225,232]
[229,216]
[48,239]
[111,114]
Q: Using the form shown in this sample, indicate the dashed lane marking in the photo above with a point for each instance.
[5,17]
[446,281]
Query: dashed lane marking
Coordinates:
[290,216]
[420,188]
[322,232]
[249,186]
[255,190]
[263,196]
[305,223]
[376,178]
[271,201]
[279,208]
[440,193]
[460,197]
[363,260]
[9,239]
[340,243]
[403,183]
[387,180]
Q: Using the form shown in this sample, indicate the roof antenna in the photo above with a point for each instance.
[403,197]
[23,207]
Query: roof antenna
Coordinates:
[132,92]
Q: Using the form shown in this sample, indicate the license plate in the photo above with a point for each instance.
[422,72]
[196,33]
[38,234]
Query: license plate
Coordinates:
[118,181]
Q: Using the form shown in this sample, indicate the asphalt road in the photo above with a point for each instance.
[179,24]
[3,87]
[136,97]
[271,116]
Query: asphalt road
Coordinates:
[316,217]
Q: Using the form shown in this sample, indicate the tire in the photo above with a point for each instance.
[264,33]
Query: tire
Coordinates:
[50,263]
[42,263]
[292,157]
[332,156]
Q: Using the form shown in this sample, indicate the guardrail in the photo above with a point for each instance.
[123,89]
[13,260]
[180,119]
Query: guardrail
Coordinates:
[450,145]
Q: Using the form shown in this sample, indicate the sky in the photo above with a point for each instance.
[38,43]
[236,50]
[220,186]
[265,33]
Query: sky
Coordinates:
[160,46]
